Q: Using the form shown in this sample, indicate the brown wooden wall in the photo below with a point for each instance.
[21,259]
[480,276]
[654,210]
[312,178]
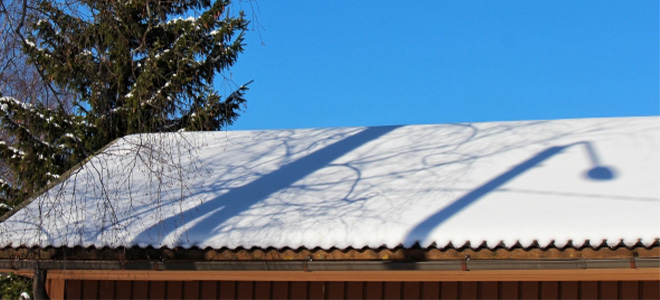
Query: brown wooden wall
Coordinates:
[109,289]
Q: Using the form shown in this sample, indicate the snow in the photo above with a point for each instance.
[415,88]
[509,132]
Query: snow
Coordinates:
[16,151]
[188,19]
[164,51]
[30,43]
[52,175]
[71,136]
[24,105]
[502,183]
[5,108]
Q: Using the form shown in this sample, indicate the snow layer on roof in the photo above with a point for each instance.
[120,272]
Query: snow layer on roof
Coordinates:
[565,181]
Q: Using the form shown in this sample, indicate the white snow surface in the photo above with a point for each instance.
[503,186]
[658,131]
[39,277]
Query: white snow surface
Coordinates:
[583,181]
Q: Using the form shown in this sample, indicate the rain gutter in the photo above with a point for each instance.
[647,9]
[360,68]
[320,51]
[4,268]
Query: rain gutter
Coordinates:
[309,266]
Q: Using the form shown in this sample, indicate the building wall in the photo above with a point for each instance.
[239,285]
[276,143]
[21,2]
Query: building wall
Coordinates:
[111,289]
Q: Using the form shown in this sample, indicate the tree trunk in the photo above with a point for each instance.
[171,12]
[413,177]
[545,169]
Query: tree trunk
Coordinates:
[39,284]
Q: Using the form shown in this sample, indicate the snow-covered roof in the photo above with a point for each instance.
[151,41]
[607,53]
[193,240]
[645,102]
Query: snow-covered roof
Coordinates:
[567,182]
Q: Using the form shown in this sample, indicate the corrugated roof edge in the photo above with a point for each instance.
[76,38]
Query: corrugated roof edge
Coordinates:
[399,253]
[587,244]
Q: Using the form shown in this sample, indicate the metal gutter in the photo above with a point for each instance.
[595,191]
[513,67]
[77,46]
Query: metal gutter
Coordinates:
[449,265]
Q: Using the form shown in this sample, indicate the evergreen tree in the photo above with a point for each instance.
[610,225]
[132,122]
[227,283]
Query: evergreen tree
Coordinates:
[135,66]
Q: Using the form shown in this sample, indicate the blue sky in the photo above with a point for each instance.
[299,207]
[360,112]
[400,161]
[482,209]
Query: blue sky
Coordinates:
[367,63]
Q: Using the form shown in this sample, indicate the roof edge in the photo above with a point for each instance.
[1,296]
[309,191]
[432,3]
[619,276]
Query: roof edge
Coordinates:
[55,182]
[319,254]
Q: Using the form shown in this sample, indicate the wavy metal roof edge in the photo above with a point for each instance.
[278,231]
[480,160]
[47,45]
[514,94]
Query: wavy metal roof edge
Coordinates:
[467,246]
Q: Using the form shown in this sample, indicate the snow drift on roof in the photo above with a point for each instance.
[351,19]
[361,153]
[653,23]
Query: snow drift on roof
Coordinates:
[566,181]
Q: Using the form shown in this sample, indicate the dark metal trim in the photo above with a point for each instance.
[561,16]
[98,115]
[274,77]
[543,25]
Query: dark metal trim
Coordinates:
[457,265]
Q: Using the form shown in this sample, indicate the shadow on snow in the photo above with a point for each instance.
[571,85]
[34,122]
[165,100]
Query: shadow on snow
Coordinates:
[239,199]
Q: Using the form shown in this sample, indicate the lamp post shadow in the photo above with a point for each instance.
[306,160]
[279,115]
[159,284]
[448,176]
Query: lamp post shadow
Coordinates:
[421,231]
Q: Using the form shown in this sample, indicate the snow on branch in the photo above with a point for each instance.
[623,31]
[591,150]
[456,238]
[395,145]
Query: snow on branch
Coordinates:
[6,101]
[16,152]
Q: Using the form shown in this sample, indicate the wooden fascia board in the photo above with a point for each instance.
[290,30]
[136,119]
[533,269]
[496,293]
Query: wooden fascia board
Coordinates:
[479,275]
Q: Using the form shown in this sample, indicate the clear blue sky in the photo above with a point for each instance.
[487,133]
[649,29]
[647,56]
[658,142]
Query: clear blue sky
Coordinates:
[367,63]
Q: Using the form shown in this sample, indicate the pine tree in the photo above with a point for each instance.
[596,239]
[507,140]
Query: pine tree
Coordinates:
[135,66]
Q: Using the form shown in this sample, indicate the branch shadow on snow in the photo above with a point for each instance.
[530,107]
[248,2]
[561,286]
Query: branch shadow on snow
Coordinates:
[240,199]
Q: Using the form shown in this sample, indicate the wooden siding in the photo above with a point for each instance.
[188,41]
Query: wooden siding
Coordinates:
[109,289]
